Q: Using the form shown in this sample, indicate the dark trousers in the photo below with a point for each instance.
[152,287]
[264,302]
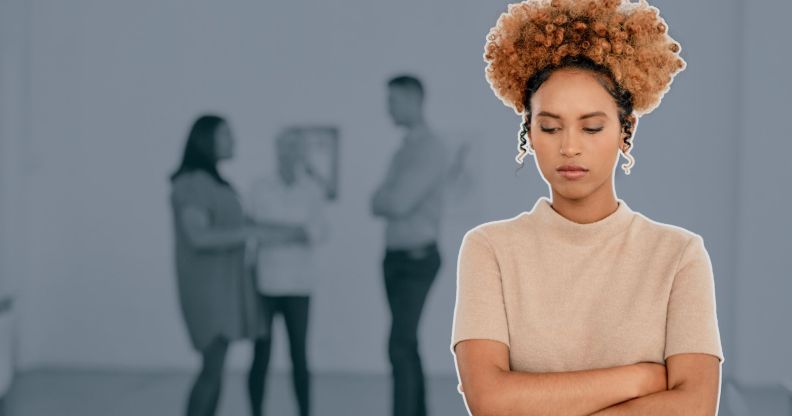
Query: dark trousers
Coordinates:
[295,315]
[409,275]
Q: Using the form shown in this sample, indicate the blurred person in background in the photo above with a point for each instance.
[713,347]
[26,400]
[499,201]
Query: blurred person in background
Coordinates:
[217,297]
[410,200]
[286,273]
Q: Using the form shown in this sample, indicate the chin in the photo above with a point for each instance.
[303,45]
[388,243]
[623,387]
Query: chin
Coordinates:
[573,195]
[572,190]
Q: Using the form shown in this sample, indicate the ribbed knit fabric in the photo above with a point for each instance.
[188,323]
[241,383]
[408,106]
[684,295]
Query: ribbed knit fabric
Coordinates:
[565,296]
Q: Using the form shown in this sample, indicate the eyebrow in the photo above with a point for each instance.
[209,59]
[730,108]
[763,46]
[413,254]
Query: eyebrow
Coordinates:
[584,116]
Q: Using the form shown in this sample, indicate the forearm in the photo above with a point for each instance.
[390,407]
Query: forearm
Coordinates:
[266,225]
[218,238]
[393,203]
[226,238]
[380,206]
[561,393]
[667,403]
[273,233]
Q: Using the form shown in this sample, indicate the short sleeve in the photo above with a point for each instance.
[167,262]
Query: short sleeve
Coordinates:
[692,321]
[480,312]
[191,189]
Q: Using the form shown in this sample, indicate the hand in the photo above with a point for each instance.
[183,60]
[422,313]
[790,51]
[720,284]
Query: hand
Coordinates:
[251,231]
[309,170]
[301,235]
[654,378]
[280,234]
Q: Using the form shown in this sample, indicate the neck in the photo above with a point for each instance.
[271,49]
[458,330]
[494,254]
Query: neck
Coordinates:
[417,126]
[581,233]
[591,208]
[584,211]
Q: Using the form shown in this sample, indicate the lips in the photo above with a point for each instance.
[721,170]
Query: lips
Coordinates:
[572,168]
[572,171]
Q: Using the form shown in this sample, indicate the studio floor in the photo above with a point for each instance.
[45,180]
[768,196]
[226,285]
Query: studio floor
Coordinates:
[69,392]
[103,393]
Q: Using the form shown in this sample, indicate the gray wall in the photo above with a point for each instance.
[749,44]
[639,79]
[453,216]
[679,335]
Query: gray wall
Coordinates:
[763,261]
[14,122]
[107,91]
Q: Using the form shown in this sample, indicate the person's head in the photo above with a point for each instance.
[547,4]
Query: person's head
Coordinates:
[405,100]
[290,151]
[208,142]
[571,58]
[575,113]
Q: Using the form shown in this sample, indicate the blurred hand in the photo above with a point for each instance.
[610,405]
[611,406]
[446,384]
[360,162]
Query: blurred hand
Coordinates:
[301,235]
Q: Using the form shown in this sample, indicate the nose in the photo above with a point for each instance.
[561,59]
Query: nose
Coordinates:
[570,145]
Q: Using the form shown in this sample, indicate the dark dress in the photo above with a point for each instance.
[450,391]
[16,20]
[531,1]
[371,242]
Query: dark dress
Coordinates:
[216,293]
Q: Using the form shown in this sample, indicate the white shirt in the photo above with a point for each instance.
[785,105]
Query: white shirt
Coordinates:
[288,269]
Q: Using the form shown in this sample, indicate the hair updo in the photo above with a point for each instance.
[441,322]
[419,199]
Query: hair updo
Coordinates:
[625,44]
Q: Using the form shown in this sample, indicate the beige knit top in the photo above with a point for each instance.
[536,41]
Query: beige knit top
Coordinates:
[565,296]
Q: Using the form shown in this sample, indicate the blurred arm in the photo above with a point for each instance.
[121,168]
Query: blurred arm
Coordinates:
[406,186]
[202,236]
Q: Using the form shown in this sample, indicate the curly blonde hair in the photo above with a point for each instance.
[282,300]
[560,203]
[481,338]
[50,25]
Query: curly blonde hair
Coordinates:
[629,41]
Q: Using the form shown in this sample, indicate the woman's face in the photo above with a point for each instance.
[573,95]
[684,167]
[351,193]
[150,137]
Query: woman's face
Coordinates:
[224,143]
[289,155]
[575,121]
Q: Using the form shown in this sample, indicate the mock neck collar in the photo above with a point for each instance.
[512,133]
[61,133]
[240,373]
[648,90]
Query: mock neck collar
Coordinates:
[572,232]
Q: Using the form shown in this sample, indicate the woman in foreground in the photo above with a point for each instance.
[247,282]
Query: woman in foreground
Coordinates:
[583,306]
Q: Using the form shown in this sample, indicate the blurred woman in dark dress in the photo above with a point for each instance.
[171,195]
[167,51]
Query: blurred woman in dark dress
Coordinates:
[217,297]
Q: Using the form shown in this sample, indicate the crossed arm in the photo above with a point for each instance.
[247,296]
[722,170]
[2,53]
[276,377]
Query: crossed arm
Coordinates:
[688,384]
[407,184]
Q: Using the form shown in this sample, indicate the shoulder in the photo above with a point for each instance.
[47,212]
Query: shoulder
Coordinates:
[433,145]
[194,178]
[678,242]
[190,188]
[428,144]
[663,230]
[500,232]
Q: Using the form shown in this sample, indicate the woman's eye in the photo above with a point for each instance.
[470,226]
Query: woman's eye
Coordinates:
[552,130]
